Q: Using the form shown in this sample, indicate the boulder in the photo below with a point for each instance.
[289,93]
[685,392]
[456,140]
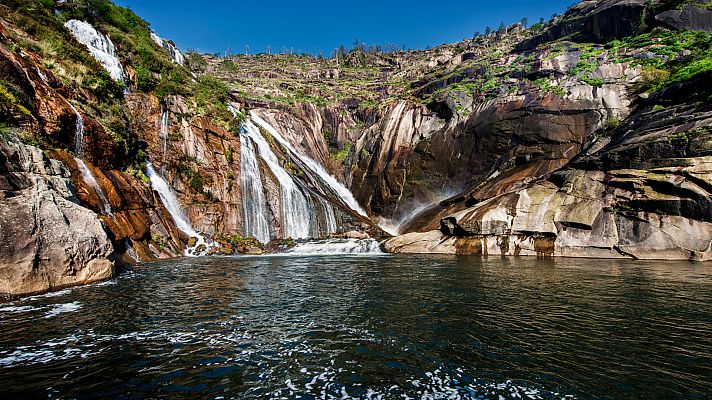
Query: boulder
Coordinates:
[47,240]
[690,17]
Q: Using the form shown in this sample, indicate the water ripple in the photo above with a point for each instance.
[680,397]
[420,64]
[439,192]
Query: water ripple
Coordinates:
[379,327]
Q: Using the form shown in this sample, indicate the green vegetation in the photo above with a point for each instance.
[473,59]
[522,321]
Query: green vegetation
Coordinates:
[159,240]
[588,62]
[546,86]
[238,241]
[680,55]
[340,155]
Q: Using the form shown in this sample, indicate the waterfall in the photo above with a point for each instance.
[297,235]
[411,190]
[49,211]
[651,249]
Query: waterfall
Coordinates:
[254,205]
[169,48]
[337,247]
[297,209]
[329,216]
[90,179]
[164,130]
[170,201]
[42,76]
[337,188]
[130,250]
[99,46]
[78,132]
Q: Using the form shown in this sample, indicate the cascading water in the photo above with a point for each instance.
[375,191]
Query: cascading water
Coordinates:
[170,201]
[170,49]
[79,131]
[130,250]
[164,130]
[90,179]
[297,209]
[337,247]
[336,187]
[254,204]
[99,46]
[329,216]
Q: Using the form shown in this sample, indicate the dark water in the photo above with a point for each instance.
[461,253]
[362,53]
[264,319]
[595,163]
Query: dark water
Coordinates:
[370,327]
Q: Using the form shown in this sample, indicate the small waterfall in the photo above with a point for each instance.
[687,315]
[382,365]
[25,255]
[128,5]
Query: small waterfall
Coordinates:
[169,48]
[170,201]
[164,130]
[254,204]
[336,187]
[130,250]
[99,46]
[90,179]
[337,247]
[79,131]
[297,209]
[42,76]
[329,216]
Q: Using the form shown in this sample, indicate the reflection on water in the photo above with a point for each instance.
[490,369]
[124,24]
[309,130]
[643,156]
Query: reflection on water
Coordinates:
[393,326]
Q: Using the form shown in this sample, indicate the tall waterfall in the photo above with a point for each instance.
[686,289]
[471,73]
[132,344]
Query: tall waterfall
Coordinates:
[297,209]
[170,201]
[90,179]
[99,46]
[337,188]
[254,204]
[78,132]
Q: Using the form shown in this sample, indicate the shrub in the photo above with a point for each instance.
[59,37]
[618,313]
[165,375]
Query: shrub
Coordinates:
[652,77]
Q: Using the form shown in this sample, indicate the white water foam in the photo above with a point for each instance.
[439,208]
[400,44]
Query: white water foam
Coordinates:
[63,308]
[336,247]
[100,47]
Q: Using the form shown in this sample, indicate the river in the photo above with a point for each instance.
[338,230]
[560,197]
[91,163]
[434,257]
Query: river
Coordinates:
[369,326]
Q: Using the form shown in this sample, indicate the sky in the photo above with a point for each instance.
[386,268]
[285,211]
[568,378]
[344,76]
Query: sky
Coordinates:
[321,26]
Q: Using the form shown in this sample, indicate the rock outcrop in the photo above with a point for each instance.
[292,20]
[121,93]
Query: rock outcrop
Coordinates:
[47,240]
[643,193]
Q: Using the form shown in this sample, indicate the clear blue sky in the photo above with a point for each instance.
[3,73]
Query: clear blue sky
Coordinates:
[319,25]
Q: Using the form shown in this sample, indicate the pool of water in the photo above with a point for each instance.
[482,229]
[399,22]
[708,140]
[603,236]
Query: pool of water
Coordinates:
[368,327]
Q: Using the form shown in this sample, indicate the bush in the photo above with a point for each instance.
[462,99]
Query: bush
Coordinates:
[652,77]
[145,80]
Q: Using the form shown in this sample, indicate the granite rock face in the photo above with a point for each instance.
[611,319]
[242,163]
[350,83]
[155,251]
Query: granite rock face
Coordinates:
[641,191]
[596,21]
[48,241]
[690,17]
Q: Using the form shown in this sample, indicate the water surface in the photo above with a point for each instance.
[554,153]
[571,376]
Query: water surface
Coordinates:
[369,327]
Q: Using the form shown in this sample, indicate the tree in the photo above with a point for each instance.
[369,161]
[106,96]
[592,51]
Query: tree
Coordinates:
[525,21]
[477,34]
[501,26]
[488,30]
[541,20]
